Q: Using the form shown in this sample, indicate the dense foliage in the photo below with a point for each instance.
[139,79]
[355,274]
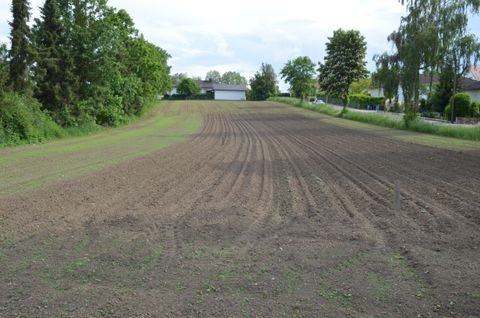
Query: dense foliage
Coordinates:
[363,101]
[462,103]
[84,61]
[344,63]
[263,85]
[21,119]
[188,87]
[432,39]
[387,76]
[213,76]
[475,109]
[233,78]
[299,73]
[230,78]
[20,47]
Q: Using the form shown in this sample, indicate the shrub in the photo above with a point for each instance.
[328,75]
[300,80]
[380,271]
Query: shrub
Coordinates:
[208,96]
[462,106]
[431,114]
[475,109]
[409,117]
[21,120]
[362,101]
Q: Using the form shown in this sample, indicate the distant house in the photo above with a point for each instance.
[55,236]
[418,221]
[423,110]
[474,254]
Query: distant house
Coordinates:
[468,84]
[206,86]
[472,88]
[474,73]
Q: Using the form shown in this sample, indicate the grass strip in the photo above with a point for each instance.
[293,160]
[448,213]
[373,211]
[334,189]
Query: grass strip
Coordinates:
[386,120]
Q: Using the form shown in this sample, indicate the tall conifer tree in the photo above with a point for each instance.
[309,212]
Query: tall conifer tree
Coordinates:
[20,46]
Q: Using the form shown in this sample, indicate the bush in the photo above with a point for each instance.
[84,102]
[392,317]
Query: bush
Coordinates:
[208,96]
[362,101]
[431,114]
[21,120]
[462,106]
[475,109]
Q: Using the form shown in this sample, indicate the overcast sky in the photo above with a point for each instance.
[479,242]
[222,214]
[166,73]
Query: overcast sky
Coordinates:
[240,35]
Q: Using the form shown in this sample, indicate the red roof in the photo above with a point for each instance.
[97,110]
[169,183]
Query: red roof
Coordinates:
[475,72]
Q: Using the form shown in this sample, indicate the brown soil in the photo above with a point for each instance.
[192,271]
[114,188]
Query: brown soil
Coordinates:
[264,213]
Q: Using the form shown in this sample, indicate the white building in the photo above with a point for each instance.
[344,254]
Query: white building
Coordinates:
[229,92]
[468,84]
[472,88]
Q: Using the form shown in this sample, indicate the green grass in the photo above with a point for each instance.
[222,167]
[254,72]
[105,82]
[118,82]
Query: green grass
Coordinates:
[30,166]
[383,119]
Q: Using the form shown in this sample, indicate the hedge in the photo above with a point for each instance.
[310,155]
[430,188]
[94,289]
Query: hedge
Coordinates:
[192,97]
[362,101]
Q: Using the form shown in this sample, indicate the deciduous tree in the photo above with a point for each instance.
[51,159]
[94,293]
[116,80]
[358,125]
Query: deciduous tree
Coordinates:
[387,76]
[233,78]
[299,73]
[263,85]
[188,87]
[344,63]
[177,78]
[214,76]
[433,36]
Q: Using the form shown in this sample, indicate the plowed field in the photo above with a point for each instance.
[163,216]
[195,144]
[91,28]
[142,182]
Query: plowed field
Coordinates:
[264,212]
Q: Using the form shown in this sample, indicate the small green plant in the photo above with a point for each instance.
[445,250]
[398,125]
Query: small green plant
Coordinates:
[334,295]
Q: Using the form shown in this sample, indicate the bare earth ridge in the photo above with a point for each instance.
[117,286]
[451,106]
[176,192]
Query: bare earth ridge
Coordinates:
[263,213]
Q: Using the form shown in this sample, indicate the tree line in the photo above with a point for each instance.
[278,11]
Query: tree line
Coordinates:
[80,61]
[433,40]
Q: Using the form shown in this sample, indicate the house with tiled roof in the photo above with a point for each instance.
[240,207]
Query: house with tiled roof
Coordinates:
[471,87]
[474,73]
[467,84]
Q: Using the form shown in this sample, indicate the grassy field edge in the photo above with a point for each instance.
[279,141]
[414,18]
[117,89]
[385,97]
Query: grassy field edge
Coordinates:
[383,120]
[31,166]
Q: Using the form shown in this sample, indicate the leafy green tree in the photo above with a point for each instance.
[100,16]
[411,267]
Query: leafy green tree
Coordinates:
[361,86]
[387,76]
[263,85]
[233,78]
[463,101]
[213,75]
[177,78]
[299,73]
[433,36]
[20,46]
[188,87]
[443,90]
[344,63]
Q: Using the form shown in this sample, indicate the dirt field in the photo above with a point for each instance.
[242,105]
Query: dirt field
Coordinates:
[263,213]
